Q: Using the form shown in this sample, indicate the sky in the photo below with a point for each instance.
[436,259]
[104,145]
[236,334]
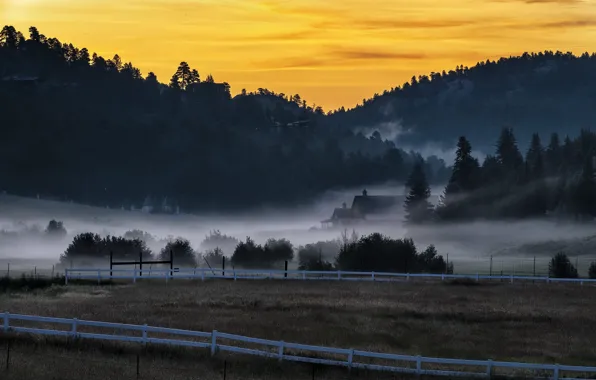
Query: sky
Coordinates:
[333,53]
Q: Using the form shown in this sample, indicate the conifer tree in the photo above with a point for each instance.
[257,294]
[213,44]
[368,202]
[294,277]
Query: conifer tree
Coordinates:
[418,208]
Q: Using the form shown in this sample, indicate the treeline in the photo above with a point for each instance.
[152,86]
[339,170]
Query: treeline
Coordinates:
[554,180]
[97,131]
[374,252]
[541,92]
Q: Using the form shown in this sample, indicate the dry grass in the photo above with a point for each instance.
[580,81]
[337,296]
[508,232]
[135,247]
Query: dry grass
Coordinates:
[519,322]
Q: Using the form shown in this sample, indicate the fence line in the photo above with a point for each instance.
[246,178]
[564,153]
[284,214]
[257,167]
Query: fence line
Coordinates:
[278,349]
[262,274]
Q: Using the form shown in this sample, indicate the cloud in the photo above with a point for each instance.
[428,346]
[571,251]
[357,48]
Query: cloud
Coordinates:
[298,35]
[562,2]
[357,54]
[581,23]
[383,24]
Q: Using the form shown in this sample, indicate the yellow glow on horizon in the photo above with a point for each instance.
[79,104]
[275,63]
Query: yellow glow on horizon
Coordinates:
[332,53]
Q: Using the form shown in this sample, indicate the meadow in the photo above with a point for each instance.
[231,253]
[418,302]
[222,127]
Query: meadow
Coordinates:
[510,322]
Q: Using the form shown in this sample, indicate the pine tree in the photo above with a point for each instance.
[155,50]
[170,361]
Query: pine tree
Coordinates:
[508,153]
[418,208]
[534,159]
[553,155]
[464,180]
[584,195]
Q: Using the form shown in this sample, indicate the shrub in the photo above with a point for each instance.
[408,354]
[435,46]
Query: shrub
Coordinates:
[321,250]
[376,252]
[183,253]
[248,254]
[561,267]
[56,229]
[431,262]
[216,239]
[279,250]
[592,270]
[214,258]
[315,264]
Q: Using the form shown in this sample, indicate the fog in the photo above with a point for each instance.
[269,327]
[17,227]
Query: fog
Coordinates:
[470,241]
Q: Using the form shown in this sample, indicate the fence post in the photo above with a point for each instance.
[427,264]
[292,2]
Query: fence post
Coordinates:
[280,351]
[304,275]
[234,274]
[511,279]
[99,277]
[489,368]
[373,276]
[73,331]
[66,276]
[408,276]
[286,273]
[134,275]
[556,374]
[477,277]
[339,275]
[6,321]
[418,365]
[145,334]
[202,275]
[213,342]
[223,266]
[490,273]
[350,358]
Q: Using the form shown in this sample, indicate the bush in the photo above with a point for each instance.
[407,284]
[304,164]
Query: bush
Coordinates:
[315,265]
[248,254]
[216,239]
[592,270]
[376,252]
[279,250]
[88,248]
[214,258]
[561,267]
[321,250]
[183,253]
[56,229]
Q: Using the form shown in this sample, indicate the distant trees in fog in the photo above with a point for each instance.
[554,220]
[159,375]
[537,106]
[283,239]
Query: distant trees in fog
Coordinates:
[91,249]
[182,252]
[217,240]
[249,254]
[561,267]
[380,253]
[56,228]
[558,180]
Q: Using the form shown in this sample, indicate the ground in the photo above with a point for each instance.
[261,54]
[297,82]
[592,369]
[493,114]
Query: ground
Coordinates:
[548,323]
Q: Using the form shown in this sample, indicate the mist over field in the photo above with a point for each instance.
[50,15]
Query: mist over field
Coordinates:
[463,242]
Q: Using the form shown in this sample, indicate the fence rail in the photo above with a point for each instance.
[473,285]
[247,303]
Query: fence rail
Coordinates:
[262,274]
[283,350]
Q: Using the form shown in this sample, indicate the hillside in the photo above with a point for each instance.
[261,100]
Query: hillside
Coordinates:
[540,92]
[96,131]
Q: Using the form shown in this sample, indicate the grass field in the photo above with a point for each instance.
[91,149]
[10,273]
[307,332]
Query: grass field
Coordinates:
[520,322]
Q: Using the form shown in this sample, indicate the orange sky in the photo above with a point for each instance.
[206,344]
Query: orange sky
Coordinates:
[332,52]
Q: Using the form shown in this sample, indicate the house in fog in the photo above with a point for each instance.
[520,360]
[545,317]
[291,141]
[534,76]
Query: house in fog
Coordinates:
[367,209]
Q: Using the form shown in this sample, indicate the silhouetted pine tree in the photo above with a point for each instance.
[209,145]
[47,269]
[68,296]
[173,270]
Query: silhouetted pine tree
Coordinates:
[418,208]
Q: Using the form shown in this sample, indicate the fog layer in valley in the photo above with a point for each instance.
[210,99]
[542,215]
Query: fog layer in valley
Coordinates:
[300,226]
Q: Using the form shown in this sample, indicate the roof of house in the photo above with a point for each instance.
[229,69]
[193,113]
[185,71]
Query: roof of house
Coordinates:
[368,204]
[343,213]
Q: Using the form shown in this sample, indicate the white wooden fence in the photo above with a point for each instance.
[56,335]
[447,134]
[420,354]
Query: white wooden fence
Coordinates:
[262,274]
[217,341]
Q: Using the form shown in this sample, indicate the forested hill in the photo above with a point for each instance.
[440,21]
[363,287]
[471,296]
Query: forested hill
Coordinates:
[80,127]
[545,93]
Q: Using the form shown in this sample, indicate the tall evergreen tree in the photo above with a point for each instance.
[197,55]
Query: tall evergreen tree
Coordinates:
[508,153]
[535,159]
[584,197]
[418,208]
[464,180]
[553,155]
